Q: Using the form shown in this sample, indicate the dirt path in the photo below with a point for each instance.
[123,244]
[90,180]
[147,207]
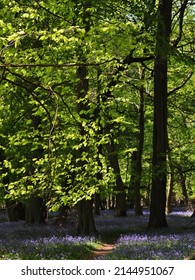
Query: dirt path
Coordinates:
[102,251]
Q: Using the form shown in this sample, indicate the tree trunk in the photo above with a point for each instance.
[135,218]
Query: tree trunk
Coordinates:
[183,187]
[135,182]
[11,210]
[97,198]
[35,211]
[97,204]
[171,184]
[121,207]
[170,193]
[138,164]
[157,217]
[35,208]
[86,224]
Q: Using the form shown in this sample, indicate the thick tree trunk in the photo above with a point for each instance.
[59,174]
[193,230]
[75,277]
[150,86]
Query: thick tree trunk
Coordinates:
[86,224]
[35,211]
[15,210]
[159,173]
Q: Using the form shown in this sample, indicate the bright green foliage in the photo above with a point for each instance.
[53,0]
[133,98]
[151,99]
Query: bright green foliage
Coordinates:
[39,46]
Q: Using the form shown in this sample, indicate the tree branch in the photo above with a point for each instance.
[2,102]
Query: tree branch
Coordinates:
[51,13]
[42,87]
[33,95]
[180,86]
[2,76]
[181,18]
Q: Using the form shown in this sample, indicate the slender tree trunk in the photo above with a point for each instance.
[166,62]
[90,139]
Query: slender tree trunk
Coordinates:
[97,199]
[135,182]
[138,166]
[86,224]
[159,173]
[121,207]
[170,185]
[35,207]
[183,187]
[170,192]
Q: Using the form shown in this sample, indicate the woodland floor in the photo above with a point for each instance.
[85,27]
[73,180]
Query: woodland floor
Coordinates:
[119,238]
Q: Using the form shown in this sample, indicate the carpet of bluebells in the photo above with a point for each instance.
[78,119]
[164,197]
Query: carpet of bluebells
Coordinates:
[132,240]
[45,242]
[136,243]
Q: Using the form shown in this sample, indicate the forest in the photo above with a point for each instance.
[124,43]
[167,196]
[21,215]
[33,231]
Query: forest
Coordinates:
[97,117]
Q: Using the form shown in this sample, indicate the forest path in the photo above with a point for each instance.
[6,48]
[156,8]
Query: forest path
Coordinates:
[102,251]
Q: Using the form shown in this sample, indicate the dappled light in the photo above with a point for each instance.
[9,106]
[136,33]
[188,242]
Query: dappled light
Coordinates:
[97,130]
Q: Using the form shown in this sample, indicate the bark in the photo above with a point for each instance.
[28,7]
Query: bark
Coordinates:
[11,210]
[15,210]
[184,188]
[135,182]
[86,224]
[159,173]
[170,193]
[171,185]
[121,207]
[138,157]
[35,208]
[97,204]
[97,198]
[182,181]
[35,211]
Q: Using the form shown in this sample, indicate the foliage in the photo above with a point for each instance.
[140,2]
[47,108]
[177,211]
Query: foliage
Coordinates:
[41,43]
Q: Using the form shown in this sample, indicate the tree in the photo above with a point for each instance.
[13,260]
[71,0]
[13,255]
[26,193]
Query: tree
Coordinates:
[84,71]
[159,172]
